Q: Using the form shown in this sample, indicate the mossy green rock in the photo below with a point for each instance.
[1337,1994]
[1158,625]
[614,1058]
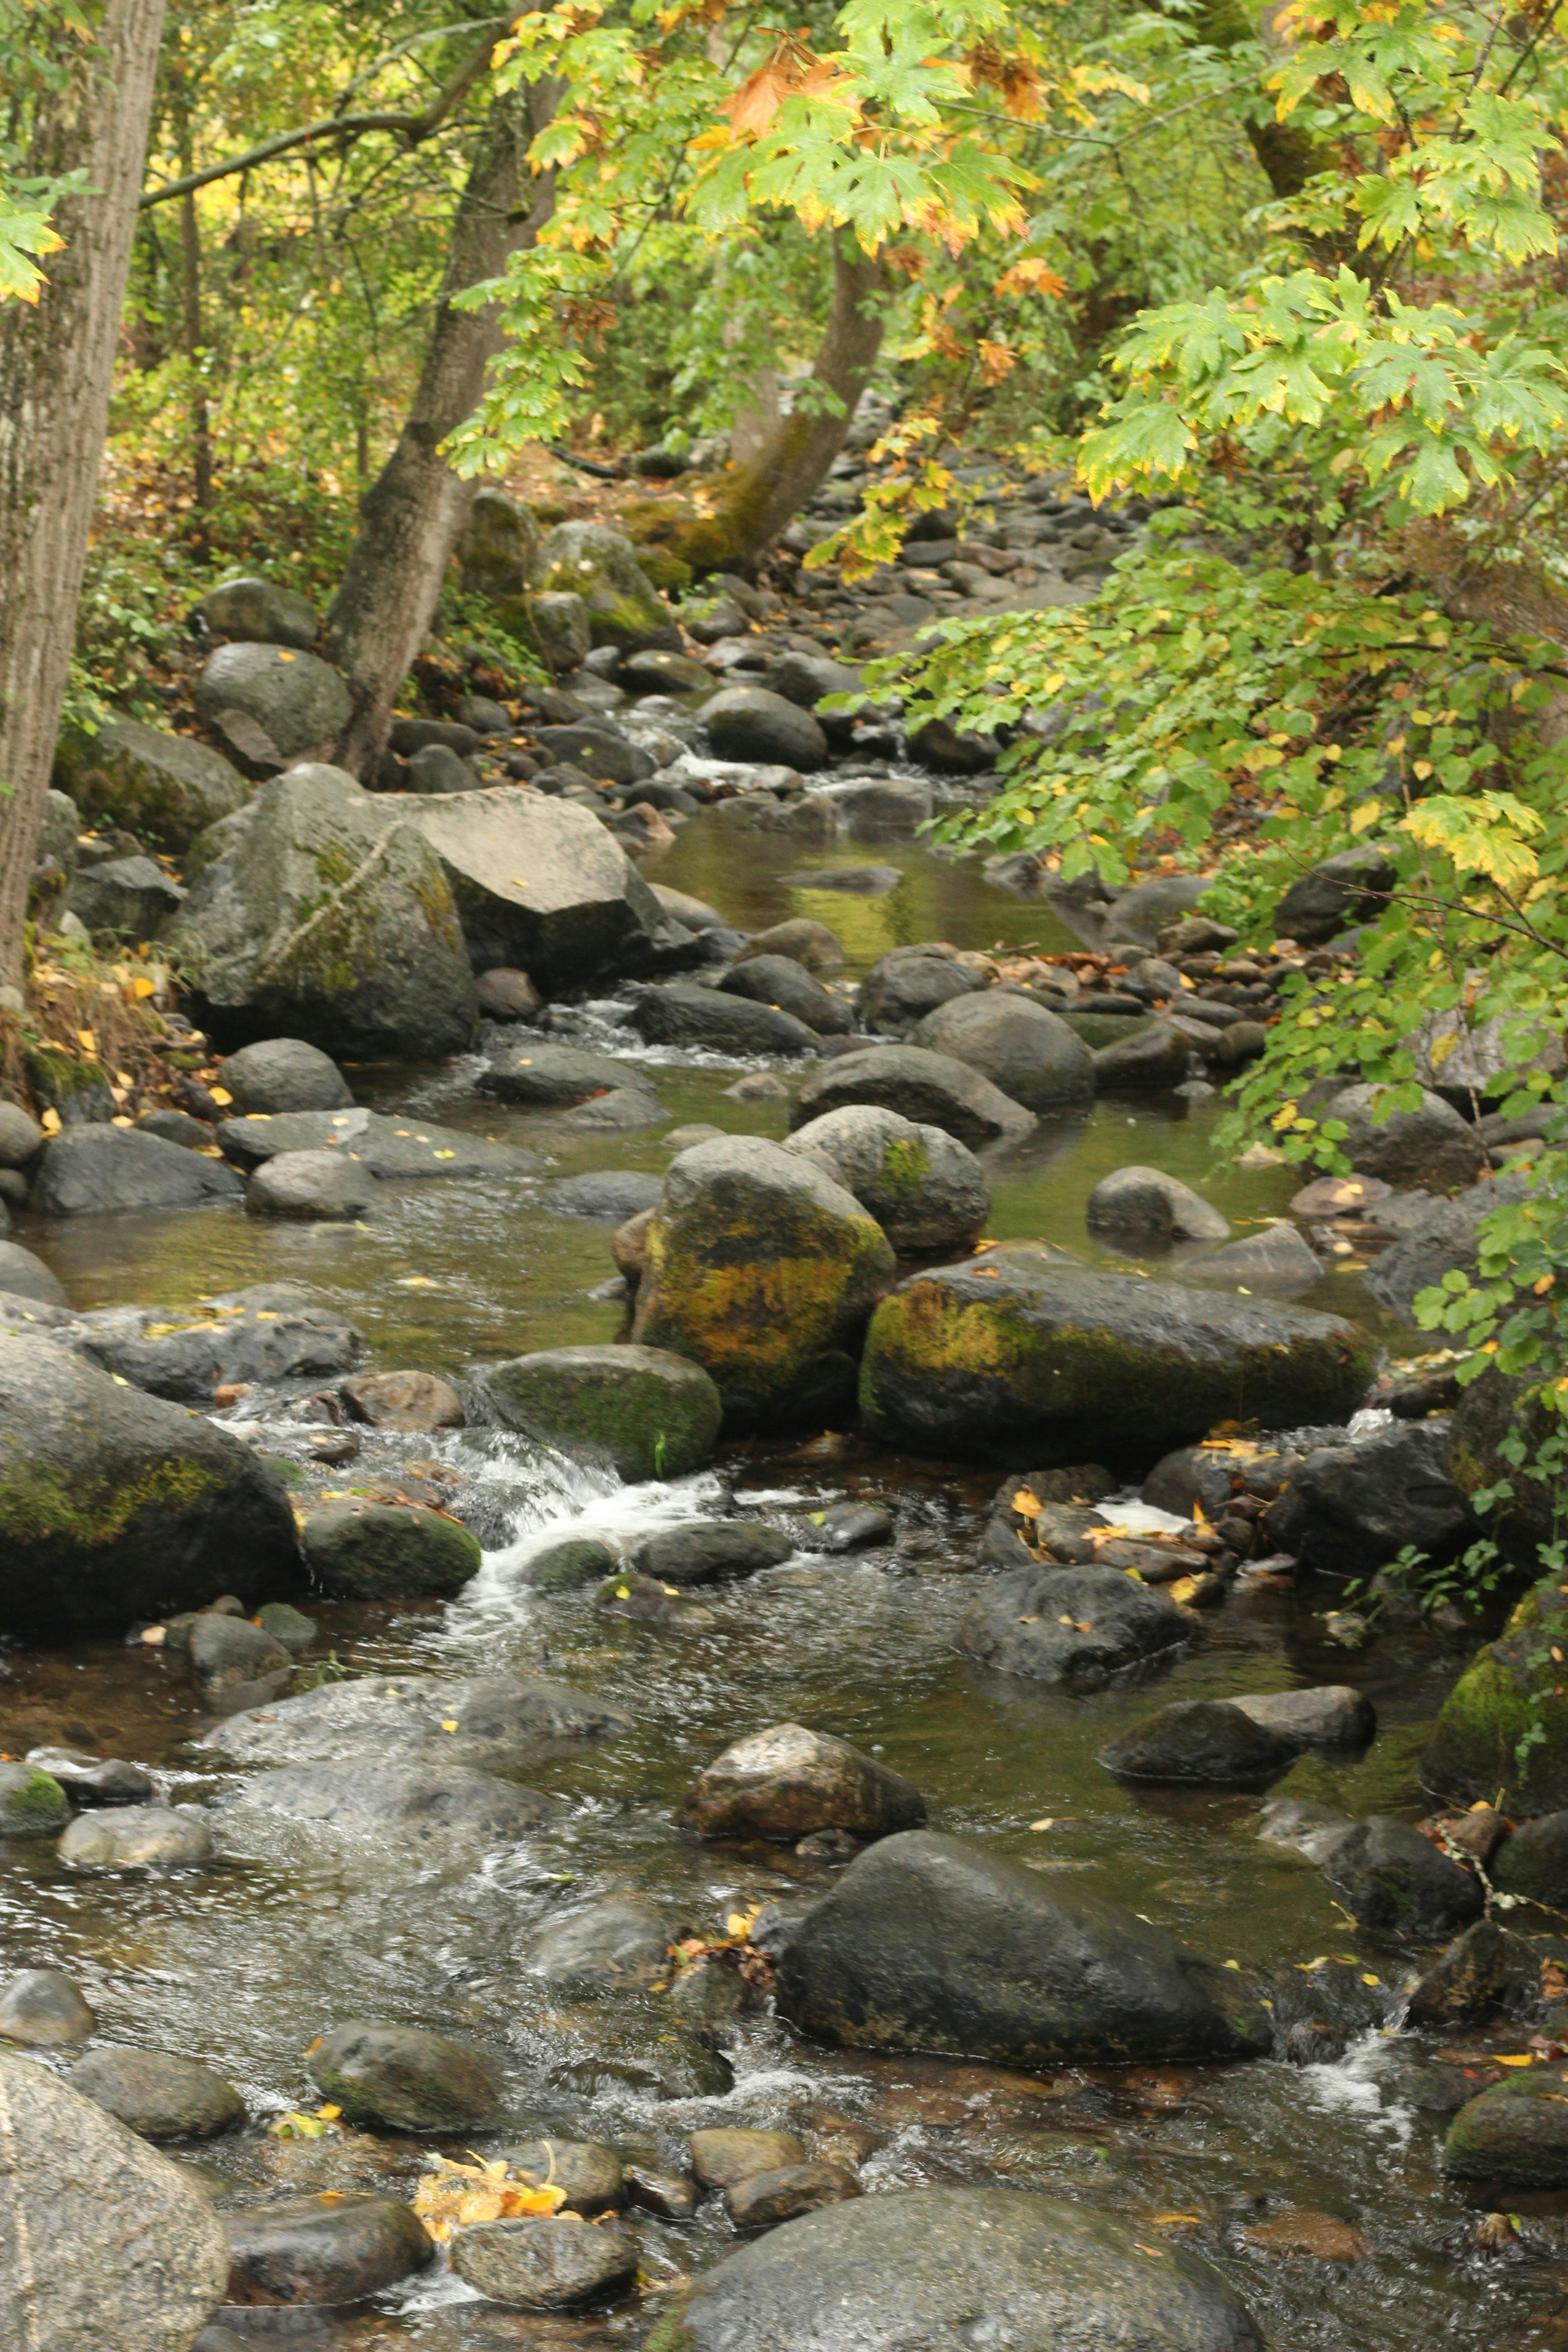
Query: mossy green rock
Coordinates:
[974,1359]
[116,1505]
[316,911]
[648,1412]
[401,2076]
[387,1551]
[32,1805]
[586,559]
[1516,2134]
[1504,1695]
[761,1269]
[165,788]
[567,1565]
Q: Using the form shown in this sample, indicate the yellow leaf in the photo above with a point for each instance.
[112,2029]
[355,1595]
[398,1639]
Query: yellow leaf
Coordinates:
[450,1723]
[1364,817]
[1526,2060]
[142,986]
[1422,768]
[1027,1505]
[220,1093]
[1049,1822]
[328,2114]
[87,1041]
[1177,2220]
[51,1122]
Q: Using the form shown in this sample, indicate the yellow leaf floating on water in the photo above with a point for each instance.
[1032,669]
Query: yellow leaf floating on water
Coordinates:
[456,2196]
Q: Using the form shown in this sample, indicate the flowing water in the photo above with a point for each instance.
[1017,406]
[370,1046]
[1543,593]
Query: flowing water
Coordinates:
[245,1963]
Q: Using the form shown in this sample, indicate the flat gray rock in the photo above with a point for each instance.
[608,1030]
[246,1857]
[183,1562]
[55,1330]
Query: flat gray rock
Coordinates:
[384,1145]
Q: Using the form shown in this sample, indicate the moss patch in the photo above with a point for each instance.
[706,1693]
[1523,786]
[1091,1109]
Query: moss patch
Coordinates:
[41,1507]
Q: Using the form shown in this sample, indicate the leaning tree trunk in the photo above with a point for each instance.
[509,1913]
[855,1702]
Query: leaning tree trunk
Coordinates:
[764,494]
[57,364]
[412,511]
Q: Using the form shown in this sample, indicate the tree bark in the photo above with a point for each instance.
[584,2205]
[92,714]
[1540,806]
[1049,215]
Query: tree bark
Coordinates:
[57,364]
[759,497]
[412,513]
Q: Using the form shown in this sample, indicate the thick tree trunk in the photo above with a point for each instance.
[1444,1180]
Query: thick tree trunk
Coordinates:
[764,494]
[412,513]
[56,363]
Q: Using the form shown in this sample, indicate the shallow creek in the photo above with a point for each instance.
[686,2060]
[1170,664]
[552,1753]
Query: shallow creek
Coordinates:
[243,1964]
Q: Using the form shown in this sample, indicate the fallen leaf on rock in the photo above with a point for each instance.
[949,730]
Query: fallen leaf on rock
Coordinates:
[456,2196]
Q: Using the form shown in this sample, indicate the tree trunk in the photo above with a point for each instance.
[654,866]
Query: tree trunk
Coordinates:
[412,513]
[57,364]
[761,496]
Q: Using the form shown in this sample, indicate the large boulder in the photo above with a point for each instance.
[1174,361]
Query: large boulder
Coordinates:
[779,980]
[318,912]
[24,1275]
[763,1270]
[1083,1365]
[925,1189]
[1501,1734]
[1515,2134]
[1431,1146]
[295,702]
[1350,1509]
[117,1505]
[85,1171]
[920,2269]
[1443,1238]
[165,788]
[907,984]
[931,1089]
[1203,1742]
[541,884]
[127,898]
[1141,1206]
[282,1074]
[931,1943]
[690,1015]
[646,1412]
[748,722]
[259,613]
[1344,889]
[1398,1883]
[786,1782]
[403,2077]
[1030,1054]
[95,2223]
[361,1551]
[381,1144]
[1078,1627]
[623,609]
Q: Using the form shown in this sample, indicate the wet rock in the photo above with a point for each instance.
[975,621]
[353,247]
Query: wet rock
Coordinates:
[507,994]
[118,1506]
[611,1194]
[1144,1204]
[1322,2006]
[164,789]
[805,942]
[299,702]
[1444,1237]
[1486,1969]
[668,2060]
[43,2010]
[32,1805]
[785,985]
[648,1412]
[24,1276]
[769,2198]
[1321,2236]
[1515,2133]
[1350,1508]
[925,1189]
[671,2195]
[157,2094]
[928,1089]
[786,1782]
[710,1997]
[545,2266]
[413,1401]
[402,2077]
[855,881]
[644,1600]
[136,1837]
[1278,1264]
[537,1073]
[282,1074]
[620,1940]
[1396,1881]
[727,2155]
[1302,1828]
[917,2266]
[848,1526]
[1348,889]
[616,1113]
[932,1943]
[438,1814]
[763,1270]
[388,1146]
[329,1187]
[1028,1054]
[710,1551]
[751,723]
[1191,1474]
[235,1664]
[567,1565]
[1330,1716]
[1152,1053]
[689,1015]
[95,2222]
[130,898]
[311,2251]
[1205,1741]
[1081,1627]
[387,1551]
[589,2174]
[963,1359]
[501,1720]
[1432,1147]
[1534,1862]
[271,1333]
[287,1625]
[900,989]
[91,1170]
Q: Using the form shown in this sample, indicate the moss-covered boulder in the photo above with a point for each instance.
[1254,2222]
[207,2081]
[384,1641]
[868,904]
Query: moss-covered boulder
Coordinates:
[1514,2135]
[648,1412]
[316,911]
[763,1270]
[387,1551]
[115,1506]
[625,610]
[973,1359]
[1510,1693]
[925,1189]
[32,1805]
[165,788]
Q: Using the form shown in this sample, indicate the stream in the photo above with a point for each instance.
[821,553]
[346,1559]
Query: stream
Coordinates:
[244,1963]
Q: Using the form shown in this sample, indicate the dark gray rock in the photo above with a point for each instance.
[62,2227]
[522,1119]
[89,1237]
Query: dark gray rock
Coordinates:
[905,985]
[1330,1716]
[319,911]
[163,789]
[284,1074]
[1030,1054]
[358,1550]
[785,985]
[23,1275]
[1205,1741]
[933,1944]
[787,1782]
[91,1780]
[1442,1239]
[312,2252]
[269,1333]
[648,1412]
[1397,1882]
[536,1073]
[928,1089]
[1432,1147]
[597,749]
[438,1815]
[118,1506]
[1145,1204]
[1515,2134]
[609,1194]
[567,1565]
[688,1015]
[43,2010]
[130,898]
[325,1187]
[1486,1969]
[618,1941]
[258,611]
[1350,1509]
[94,2222]
[925,1189]
[1081,1627]
[1154,1054]
[156,2095]
[1533,1862]
[234,1663]
[1278,1264]
[768,2199]
[380,1145]
[1141,913]
[436,768]
[136,1837]
[299,703]
[21,1138]
[710,1551]
[545,2266]
[753,724]
[1349,887]
[855,881]
[403,2078]
[91,1171]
